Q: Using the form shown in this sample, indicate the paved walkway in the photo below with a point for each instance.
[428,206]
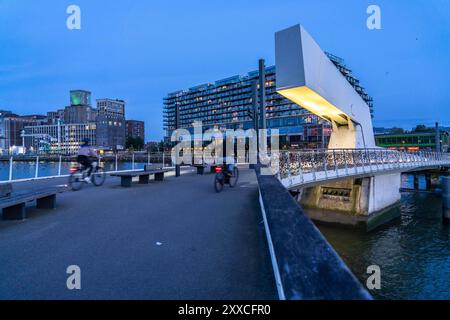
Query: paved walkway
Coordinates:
[175,239]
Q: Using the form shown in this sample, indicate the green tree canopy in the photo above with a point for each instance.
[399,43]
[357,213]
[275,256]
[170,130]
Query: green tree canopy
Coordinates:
[134,143]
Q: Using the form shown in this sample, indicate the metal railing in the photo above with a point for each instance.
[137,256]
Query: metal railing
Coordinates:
[25,168]
[297,167]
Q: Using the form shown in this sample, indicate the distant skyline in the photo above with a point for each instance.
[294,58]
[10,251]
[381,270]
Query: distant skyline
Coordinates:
[139,51]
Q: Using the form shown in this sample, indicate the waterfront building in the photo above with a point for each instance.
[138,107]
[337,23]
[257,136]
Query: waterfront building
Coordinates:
[226,104]
[111,124]
[135,129]
[58,138]
[80,109]
[413,141]
[11,126]
[107,119]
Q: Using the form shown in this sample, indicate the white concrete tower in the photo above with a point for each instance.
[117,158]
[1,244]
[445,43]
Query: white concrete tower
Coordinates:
[306,76]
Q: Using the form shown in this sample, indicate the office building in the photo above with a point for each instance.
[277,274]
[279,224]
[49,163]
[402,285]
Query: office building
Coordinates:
[135,129]
[59,138]
[11,127]
[108,119]
[111,124]
[226,104]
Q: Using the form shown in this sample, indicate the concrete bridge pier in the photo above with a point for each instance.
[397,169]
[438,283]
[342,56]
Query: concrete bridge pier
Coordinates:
[365,202]
[446,198]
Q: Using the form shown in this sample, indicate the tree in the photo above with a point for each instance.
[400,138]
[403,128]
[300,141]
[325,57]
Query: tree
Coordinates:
[422,128]
[397,130]
[134,143]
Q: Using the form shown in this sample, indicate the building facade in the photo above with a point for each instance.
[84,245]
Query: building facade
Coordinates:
[226,105]
[135,129]
[414,141]
[11,128]
[59,138]
[111,124]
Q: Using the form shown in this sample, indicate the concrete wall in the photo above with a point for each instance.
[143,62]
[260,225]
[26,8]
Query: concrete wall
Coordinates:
[305,265]
[364,202]
[384,191]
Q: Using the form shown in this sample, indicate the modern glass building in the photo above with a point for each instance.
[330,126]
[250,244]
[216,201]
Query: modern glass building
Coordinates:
[226,103]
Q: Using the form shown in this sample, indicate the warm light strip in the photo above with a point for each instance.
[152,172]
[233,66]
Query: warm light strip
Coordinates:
[314,102]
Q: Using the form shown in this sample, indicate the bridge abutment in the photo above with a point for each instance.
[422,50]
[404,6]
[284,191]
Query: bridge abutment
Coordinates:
[364,202]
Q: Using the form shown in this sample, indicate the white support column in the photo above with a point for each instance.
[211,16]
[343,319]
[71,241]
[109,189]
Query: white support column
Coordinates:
[36,173]
[59,166]
[10,168]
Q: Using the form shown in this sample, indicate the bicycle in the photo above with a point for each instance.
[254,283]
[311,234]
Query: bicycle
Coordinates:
[79,173]
[223,176]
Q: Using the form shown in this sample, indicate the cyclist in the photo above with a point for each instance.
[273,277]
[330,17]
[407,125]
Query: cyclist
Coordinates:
[86,153]
[229,166]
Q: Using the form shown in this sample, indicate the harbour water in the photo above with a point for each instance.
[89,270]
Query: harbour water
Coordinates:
[25,170]
[413,251]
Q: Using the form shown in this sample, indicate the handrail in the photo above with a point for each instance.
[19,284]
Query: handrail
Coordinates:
[347,162]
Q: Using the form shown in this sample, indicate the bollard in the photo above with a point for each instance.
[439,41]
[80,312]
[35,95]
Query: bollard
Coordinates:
[446,198]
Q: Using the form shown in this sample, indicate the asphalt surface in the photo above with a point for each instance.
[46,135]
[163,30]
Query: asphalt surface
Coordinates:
[175,239]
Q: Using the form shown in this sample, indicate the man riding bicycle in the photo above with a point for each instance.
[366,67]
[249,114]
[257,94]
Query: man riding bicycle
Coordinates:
[86,153]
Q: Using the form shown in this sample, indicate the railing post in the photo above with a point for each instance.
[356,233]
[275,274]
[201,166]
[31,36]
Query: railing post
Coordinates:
[313,165]
[300,169]
[376,160]
[132,161]
[288,165]
[163,164]
[10,168]
[335,163]
[345,161]
[363,161]
[354,162]
[368,158]
[59,165]
[148,157]
[36,173]
[117,162]
[325,162]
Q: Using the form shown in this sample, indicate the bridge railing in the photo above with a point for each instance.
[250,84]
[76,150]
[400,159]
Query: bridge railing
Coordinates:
[297,163]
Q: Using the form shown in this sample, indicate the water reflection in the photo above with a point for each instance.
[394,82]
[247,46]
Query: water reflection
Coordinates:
[413,251]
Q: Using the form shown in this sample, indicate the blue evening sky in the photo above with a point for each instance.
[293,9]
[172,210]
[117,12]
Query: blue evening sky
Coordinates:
[141,50]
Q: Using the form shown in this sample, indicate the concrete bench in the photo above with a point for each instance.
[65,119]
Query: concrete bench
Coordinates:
[200,168]
[144,176]
[14,205]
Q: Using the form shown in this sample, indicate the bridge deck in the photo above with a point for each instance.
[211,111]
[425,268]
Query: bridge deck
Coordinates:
[212,246]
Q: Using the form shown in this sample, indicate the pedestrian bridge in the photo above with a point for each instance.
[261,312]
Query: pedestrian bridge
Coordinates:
[312,167]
